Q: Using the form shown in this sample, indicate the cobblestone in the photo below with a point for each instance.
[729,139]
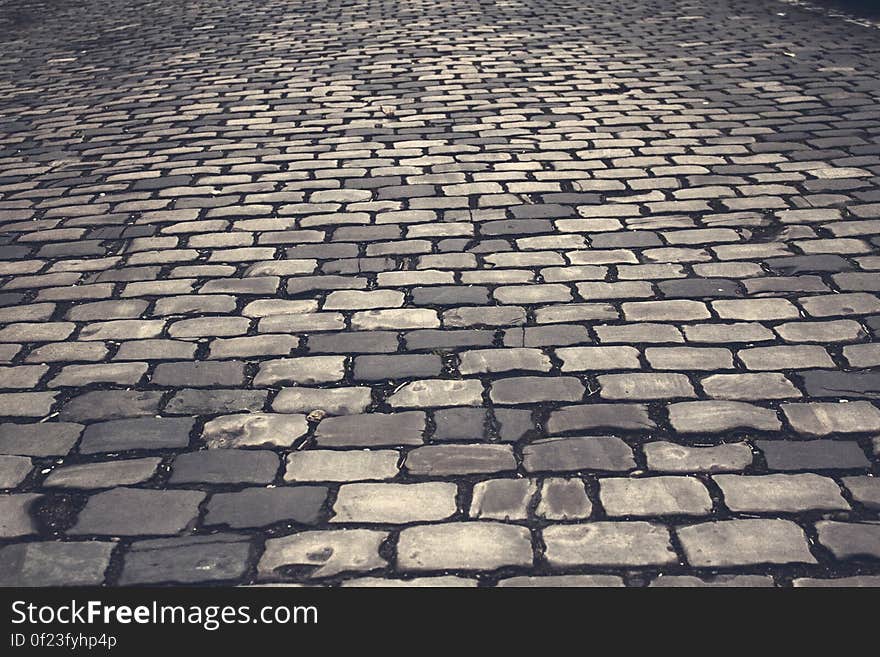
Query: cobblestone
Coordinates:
[453,293]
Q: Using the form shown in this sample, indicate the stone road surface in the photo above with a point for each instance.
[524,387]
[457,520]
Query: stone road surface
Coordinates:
[457,292]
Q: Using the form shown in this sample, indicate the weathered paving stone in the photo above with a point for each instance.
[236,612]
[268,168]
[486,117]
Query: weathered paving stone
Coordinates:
[822,383]
[864,490]
[824,418]
[394,503]
[440,581]
[46,439]
[812,454]
[749,387]
[430,393]
[782,493]
[225,466]
[15,515]
[461,458]
[535,389]
[728,543]
[584,359]
[254,430]
[559,581]
[482,361]
[665,456]
[690,581]
[186,560]
[384,368]
[138,512]
[333,401]
[850,540]
[194,401]
[322,553]
[630,417]
[460,423]
[608,544]
[472,545]
[14,470]
[866,581]
[307,371]
[502,499]
[563,499]
[199,374]
[605,453]
[259,507]
[654,496]
[721,416]
[27,404]
[136,434]
[103,475]
[342,465]
[372,430]
[110,405]
[645,386]
[55,563]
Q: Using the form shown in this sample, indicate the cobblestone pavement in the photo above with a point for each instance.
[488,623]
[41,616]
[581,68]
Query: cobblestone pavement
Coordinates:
[449,292]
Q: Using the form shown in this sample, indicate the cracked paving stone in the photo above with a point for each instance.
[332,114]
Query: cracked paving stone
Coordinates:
[225,466]
[254,430]
[608,544]
[473,545]
[259,507]
[186,560]
[136,512]
[394,503]
[784,493]
[605,453]
[372,430]
[55,564]
[728,543]
[654,496]
[322,553]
